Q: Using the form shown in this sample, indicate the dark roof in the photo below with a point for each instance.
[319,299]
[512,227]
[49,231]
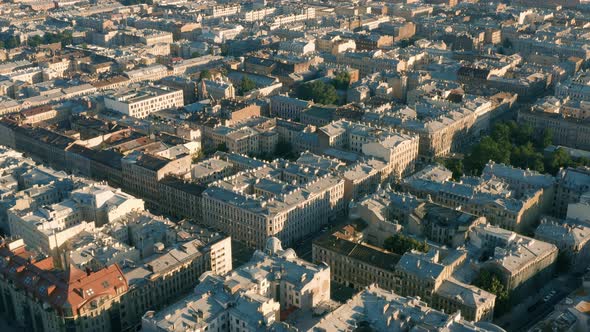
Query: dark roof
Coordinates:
[188,187]
[36,110]
[46,136]
[260,61]
[106,157]
[151,162]
[372,255]
[171,139]
[322,112]
[473,72]
[444,216]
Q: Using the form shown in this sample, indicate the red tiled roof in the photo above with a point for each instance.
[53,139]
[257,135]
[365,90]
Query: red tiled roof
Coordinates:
[70,289]
[36,110]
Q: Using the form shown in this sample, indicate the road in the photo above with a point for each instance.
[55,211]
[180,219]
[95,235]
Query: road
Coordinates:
[5,326]
[531,310]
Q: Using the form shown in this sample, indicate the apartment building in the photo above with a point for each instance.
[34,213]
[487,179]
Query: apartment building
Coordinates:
[572,240]
[159,279]
[251,207]
[357,262]
[150,73]
[301,14]
[444,126]
[223,10]
[142,172]
[399,150]
[211,170]
[151,274]
[28,186]
[146,37]
[572,184]
[8,106]
[41,298]
[429,275]
[48,226]
[216,89]
[565,119]
[441,224]
[367,62]
[143,101]
[396,149]
[257,15]
[492,198]
[254,297]
[364,177]
[334,44]
[379,309]
[298,46]
[103,204]
[353,262]
[575,88]
[520,261]
[288,107]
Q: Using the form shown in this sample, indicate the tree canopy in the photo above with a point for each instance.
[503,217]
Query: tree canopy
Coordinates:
[246,85]
[342,80]
[518,146]
[454,165]
[9,41]
[489,281]
[319,92]
[222,147]
[400,244]
[205,74]
[284,150]
[136,2]
[63,37]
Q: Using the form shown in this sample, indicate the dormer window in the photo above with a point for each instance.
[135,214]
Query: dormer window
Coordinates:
[28,280]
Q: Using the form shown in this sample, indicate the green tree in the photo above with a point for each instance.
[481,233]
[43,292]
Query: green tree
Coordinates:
[523,135]
[525,156]
[222,147]
[319,92]
[224,49]
[63,37]
[35,41]
[502,132]
[284,150]
[489,281]
[342,80]
[546,138]
[401,244]
[205,74]
[557,159]
[12,42]
[487,149]
[246,85]
[198,156]
[455,166]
